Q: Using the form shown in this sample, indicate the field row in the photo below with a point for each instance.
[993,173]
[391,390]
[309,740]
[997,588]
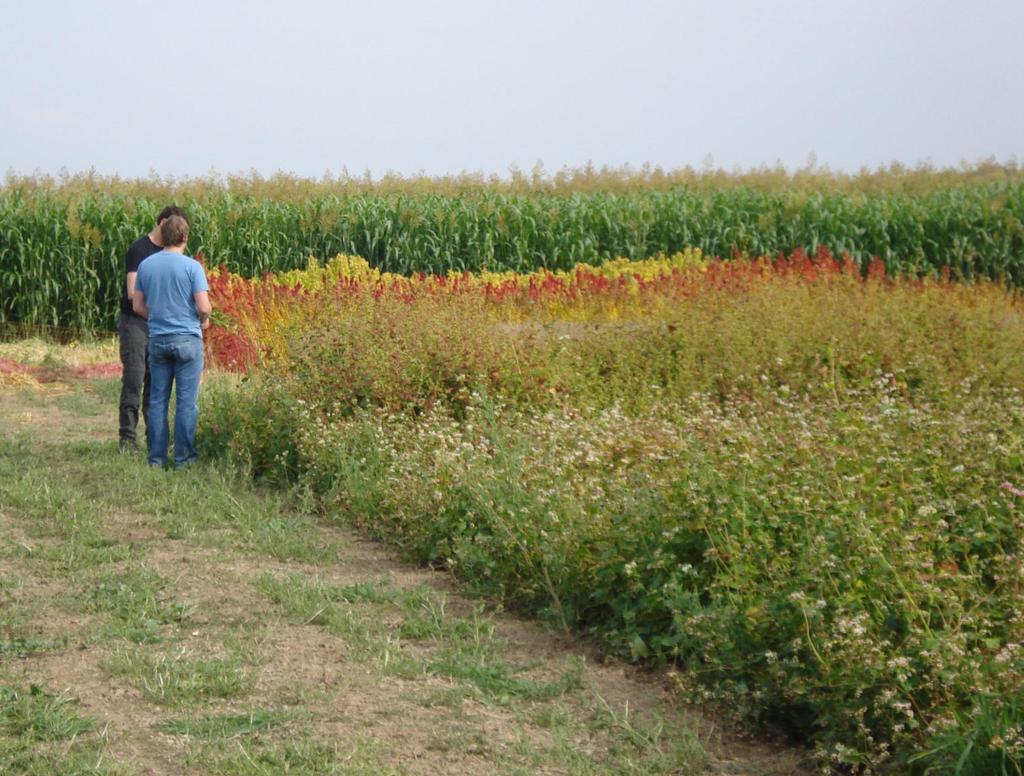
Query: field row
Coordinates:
[61,250]
[895,177]
[799,484]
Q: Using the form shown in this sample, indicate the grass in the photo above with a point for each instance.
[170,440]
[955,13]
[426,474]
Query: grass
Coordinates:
[302,757]
[41,734]
[58,513]
[37,715]
[14,614]
[81,576]
[465,649]
[137,603]
[635,745]
[225,725]
[497,681]
[177,678]
[27,612]
[61,504]
[317,603]
[22,647]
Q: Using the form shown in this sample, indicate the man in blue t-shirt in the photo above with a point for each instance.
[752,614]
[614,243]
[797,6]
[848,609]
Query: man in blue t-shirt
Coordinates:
[133,333]
[172,293]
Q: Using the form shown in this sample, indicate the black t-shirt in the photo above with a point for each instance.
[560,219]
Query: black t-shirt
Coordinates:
[139,250]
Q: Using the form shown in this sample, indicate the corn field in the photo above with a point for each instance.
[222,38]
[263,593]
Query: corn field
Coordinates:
[62,244]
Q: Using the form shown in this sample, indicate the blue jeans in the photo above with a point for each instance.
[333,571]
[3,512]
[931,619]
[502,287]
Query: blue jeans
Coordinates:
[174,359]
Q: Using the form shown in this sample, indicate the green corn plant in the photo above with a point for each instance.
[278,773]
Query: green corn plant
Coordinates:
[62,243]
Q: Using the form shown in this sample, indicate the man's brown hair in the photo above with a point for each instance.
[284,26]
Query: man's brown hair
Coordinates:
[173,210]
[174,232]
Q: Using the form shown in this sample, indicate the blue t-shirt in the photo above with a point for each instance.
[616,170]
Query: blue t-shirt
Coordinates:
[169,282]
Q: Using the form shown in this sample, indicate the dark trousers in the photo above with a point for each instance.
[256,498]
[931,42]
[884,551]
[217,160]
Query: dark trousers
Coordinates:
[134,334]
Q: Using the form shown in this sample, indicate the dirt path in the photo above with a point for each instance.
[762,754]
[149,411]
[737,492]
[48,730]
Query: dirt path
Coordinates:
[204,628]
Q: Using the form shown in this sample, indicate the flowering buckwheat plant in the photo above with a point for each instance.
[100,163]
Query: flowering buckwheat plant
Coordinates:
[801,487]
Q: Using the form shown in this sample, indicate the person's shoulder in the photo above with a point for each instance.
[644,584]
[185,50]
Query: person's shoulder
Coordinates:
[143,246]
[153,260]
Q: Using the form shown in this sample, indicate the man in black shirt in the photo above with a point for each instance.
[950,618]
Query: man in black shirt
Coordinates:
[134,334]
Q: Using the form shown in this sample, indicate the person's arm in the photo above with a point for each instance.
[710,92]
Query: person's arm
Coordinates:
[131,268]
[203,308]
[139,304]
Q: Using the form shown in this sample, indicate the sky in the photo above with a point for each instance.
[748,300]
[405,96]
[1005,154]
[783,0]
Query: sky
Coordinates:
[309,87]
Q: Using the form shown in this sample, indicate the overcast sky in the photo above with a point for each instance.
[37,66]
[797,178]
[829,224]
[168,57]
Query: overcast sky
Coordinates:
[442,86]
